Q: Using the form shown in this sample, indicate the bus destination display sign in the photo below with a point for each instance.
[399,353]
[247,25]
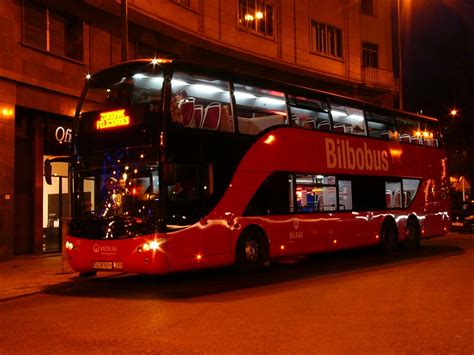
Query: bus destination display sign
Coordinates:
[112,119]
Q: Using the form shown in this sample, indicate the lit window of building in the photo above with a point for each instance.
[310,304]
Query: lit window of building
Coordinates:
[367,7]
[326,39]
[370,55]
[52,31]
[257,16]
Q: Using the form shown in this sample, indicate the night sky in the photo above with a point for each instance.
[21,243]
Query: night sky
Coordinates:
[438,56]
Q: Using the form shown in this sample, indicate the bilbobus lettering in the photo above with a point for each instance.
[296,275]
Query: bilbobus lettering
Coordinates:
[340,154]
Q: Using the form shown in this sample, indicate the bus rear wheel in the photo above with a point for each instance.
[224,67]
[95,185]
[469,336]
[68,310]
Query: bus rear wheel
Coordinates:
[412,235]
[388,236]
[251,252]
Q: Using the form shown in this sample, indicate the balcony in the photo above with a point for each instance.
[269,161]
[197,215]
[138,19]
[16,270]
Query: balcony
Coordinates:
[379,78]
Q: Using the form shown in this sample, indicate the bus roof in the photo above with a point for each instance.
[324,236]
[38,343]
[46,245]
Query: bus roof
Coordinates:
[117,72]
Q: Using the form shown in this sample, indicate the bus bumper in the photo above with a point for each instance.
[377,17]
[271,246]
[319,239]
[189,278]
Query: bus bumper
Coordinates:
[143,255]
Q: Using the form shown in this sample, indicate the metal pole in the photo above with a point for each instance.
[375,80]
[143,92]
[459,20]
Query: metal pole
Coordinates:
[124,31]
[400,62]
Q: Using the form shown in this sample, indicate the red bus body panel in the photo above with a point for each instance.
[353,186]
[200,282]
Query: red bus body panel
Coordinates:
[211,242]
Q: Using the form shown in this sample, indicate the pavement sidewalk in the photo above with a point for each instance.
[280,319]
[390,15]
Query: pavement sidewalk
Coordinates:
[27,275]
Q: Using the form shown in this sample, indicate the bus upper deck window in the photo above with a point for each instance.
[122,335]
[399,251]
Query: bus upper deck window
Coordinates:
[201,102]
[259,108]
[309,113]
[347,119]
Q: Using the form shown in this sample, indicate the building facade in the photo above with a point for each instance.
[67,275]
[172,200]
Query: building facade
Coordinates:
[341,46]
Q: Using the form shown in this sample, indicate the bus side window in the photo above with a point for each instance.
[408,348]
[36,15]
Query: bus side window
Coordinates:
[259,108]
[347,118]
[201,102]
[380,125]
[408,130]
[315,193]
[309,113]
[272,197]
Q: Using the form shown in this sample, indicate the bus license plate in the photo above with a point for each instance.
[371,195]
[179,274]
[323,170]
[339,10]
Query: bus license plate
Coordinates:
[103,265]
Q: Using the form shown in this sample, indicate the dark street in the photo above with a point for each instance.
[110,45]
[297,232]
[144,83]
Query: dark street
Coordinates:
[357,301]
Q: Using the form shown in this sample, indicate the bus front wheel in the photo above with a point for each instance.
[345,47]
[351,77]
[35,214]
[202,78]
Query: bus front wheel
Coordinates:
[388,236]
[251,252]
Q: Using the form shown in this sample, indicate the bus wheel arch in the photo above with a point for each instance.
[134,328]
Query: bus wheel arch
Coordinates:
[252,249]
[412,233]
[388,234]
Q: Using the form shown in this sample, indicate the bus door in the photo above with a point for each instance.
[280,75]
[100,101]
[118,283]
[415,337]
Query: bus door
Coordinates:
[359,196]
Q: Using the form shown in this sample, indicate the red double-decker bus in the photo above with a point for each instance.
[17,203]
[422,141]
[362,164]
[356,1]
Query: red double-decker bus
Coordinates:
[176,166]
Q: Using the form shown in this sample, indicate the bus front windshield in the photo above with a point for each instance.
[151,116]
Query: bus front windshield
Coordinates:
[125,85]
[119,186]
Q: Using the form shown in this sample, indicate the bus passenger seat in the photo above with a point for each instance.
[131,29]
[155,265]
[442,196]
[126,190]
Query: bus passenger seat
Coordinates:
[227,121]
[187,110]
[388,198]
[340,127]
[397,197]
[405,138]
[198,114]
[212,116]
[324,125]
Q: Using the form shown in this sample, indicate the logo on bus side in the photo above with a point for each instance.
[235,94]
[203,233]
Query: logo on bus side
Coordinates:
[340,154]
[104,249]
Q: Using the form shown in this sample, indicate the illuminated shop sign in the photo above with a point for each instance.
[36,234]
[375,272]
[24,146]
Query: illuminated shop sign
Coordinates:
[111,119]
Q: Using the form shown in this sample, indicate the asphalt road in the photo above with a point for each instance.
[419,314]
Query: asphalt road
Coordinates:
[350,302]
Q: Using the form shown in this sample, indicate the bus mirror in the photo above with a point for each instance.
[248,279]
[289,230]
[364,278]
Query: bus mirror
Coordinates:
[47,171]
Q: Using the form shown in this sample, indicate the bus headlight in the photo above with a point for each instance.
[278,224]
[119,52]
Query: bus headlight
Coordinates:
[151,245]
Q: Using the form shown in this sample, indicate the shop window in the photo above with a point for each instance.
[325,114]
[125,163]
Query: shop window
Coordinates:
[201,102]
[257,16]
[370,55]
[381,125]
[316,193]
[275,196]
[259,108]
[51,31]
[347,119]
[309,113]
[326,39]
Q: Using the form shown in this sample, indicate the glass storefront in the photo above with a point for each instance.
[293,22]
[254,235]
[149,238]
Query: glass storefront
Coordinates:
[55,207]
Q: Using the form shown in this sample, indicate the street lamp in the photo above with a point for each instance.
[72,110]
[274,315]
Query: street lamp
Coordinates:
[453,112]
